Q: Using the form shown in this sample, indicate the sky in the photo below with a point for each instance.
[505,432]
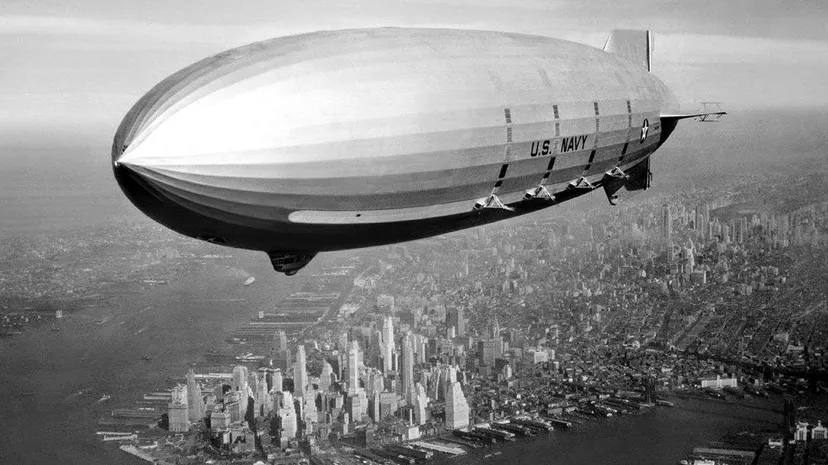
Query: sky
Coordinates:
[72,69]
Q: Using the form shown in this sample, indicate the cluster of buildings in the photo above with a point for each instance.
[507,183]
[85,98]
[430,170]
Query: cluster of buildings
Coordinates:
[590,313]
[355,388]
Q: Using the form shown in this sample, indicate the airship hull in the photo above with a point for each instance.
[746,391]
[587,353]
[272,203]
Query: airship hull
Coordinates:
[346,139]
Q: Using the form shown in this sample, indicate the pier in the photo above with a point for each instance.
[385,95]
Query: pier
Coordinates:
[138,453]
[444,448]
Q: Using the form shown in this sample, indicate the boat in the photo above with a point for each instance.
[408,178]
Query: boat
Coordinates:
[249,281]
[249,357]
[104,398]
[105,319]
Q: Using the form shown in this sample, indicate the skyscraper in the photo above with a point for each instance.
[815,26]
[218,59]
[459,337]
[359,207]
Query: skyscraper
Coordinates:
[264,402]
[278,381]
[407,365]
[420,404]
[240,385]
[287,416]
[325,377]
[239,378]
[666,223]
[279,341]
[353,368]
[488,350]
[495,328]
[358,406]
[310,412]
[300,373]
[457,410]
[387,344]
[282,360]
[177,410]
[195,403]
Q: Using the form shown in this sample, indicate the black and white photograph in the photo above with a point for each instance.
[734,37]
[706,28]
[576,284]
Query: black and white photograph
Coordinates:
[444,232]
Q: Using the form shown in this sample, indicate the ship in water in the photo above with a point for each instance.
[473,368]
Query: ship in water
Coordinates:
[104,398]
[249,281]
[249,357]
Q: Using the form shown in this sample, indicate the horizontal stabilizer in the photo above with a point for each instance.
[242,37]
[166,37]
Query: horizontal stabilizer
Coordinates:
[711,113]
[636,46]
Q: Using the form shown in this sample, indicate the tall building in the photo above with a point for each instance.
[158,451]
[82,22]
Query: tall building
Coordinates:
[353,368]
[195,403]
[219,420]
[282,360]
[375,407]
[387,344]
[819,432]
[311,414]
[495,328]
[287,416]
[460,322]
[488,350]
[325,377]
[278,381]
[666,222]
[177,410]
[420,405]
[300,373]
[279,342]
[407,364]
[263,402]
[358,406]
[239,378]
[239,385]
[388,404]
[457,410]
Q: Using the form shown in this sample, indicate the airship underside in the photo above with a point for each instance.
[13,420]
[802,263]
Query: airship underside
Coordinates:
[346,139]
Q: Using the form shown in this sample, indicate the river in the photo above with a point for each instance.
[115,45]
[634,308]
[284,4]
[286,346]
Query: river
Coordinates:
[662,436]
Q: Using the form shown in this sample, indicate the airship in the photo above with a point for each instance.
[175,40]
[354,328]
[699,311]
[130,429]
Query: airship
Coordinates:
[355,138]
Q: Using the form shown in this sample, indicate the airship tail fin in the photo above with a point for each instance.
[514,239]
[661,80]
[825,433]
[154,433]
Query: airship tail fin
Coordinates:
[633,45]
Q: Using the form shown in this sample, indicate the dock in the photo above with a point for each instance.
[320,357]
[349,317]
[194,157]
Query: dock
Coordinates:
[444,448]
[138,453]
[133,413]
[462,442]
[121,437]
[559,422]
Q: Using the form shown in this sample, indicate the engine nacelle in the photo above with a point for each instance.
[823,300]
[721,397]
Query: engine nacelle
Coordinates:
[623,185]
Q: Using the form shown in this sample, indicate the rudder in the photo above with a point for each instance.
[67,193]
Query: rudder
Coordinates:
[636,46]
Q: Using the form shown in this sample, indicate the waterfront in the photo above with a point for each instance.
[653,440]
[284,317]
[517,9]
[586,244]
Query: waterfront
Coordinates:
[661,436]
[64,374]
[56,424]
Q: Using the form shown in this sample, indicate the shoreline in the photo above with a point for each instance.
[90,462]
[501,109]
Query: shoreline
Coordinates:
[575,445]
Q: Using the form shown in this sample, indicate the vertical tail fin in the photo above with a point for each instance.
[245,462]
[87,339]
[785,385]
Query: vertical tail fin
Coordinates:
[635,46]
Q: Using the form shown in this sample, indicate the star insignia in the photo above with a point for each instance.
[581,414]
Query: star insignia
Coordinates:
[645,128]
